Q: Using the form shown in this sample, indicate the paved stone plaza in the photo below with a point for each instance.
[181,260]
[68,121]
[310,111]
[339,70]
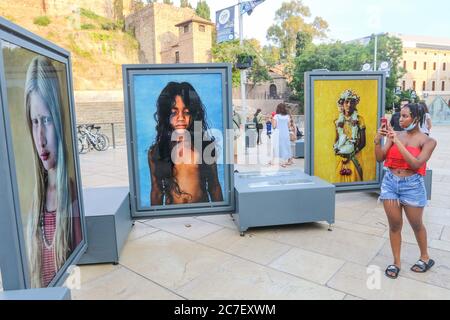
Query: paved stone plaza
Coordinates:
[206,258]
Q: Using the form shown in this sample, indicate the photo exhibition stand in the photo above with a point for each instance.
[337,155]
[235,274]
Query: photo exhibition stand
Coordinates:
[21,52]
[323,90]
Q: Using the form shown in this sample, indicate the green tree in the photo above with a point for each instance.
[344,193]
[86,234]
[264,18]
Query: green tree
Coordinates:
[303,40]
[230,50]
[291,19]
[349,57]
[389,49]
[333,57]
[185,4]
[271,55]
[203,10]
[118,10]
[137,5]
[168,2]
[405,95]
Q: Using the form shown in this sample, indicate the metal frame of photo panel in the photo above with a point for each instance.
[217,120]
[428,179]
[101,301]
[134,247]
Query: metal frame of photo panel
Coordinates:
[190,209]
[13,257]
[310,77]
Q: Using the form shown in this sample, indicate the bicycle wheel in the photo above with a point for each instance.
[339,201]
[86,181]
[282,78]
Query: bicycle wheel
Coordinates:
[102,142]
[83,146]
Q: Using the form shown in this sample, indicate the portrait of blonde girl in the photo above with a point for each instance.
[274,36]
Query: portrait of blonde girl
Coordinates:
[53,228]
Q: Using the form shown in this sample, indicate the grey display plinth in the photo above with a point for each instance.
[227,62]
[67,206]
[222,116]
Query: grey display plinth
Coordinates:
[108,220]
[56,293]
[299,148]
[284,197]
[428,182]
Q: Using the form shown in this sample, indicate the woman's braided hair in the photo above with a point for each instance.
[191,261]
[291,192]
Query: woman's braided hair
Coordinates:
[417,111]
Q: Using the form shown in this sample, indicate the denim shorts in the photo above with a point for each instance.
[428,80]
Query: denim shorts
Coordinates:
[410,191]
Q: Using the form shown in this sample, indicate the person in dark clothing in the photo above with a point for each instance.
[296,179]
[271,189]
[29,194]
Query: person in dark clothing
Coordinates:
[395,120]
[258,119]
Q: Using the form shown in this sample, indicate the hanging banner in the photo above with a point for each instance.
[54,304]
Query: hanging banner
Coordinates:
[248,6]
[225,24]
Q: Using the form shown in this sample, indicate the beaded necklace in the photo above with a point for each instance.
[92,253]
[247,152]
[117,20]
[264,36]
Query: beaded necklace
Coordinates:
[47,245]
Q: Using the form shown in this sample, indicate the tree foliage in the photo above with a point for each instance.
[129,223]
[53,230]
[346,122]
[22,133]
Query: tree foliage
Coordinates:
[137,5]
[271,55]
[303,40]
[390,49]
[185,4]
[291,19]
[203,10]
[230,50]
[406,95]
[118,10]
[340,56]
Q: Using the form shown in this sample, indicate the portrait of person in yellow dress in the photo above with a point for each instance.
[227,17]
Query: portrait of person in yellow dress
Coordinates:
[350,139]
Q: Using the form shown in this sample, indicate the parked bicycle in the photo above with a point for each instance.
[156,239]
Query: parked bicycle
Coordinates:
[90,137]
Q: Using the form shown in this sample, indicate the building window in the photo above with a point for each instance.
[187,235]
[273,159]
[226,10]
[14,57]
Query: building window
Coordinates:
[186,28]
[444,66]
[415,65]
[424,86]
[404,85]
[273,91]
[201,28]
[404,64]
[434,66]
[177,56]
[424,66]
[414,85]
[443,86]
[433,86]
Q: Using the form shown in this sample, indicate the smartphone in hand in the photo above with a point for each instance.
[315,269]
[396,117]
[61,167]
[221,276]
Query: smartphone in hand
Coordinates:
[384,123]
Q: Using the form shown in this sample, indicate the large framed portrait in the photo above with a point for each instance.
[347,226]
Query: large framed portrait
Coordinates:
[178,119]
[342,113]
[40,171]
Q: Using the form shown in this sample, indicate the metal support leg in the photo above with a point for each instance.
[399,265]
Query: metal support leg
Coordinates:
[113,132]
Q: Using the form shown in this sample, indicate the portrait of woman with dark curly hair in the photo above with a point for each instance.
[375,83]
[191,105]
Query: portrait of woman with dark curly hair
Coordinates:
[179,172]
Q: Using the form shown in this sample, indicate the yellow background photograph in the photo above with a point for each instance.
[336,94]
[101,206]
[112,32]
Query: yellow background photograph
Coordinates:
[338,153]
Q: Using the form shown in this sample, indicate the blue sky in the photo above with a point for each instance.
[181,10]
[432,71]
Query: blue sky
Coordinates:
[350,19]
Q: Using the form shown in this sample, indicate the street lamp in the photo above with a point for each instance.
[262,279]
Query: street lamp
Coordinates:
[376,49]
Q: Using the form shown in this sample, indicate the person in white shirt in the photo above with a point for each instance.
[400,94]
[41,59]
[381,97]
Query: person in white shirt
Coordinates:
[426,126]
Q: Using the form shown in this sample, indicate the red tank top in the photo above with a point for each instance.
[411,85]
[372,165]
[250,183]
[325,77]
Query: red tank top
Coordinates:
[48,252]
[394,159]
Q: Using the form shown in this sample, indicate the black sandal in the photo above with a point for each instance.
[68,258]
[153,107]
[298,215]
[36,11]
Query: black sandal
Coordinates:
[392,271]
[422,266]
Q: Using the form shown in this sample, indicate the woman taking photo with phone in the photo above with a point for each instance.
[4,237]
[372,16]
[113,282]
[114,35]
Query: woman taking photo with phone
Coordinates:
[403,189]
